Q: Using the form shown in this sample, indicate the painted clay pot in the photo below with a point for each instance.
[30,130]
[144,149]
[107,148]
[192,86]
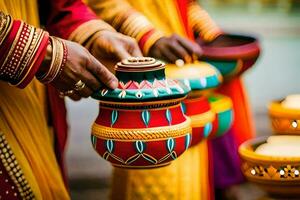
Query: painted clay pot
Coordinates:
[201,115]
[284,120]
[279,176]
[201,77]
[222,107]
[141,123]
[231,54]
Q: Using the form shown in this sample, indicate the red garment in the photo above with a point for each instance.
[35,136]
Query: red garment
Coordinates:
[62,17]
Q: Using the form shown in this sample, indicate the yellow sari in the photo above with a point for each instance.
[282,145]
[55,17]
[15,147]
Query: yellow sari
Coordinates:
[23,122]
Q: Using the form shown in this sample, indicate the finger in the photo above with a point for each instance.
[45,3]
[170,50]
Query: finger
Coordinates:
[181,52]
[90,80]
[122,53]
[102,73]
[85,92]
[75,97]
[170,56]
[135,49]
[136,52]
[193,48]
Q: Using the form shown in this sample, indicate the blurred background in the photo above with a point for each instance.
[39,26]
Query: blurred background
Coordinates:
[276,74]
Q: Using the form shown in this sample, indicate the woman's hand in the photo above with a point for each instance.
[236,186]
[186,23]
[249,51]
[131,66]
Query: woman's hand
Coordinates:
[175,47]
[108,44]
[82,66]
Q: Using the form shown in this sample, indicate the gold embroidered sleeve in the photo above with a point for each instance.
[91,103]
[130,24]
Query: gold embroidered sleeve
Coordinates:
[84,33]
[202,23]
[128,21]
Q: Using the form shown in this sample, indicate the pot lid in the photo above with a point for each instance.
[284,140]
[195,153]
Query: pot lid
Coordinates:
[197,76]
[142,79]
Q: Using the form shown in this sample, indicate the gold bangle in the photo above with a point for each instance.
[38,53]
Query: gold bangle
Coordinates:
[6,29]
[151,40]
[56,62]
[12,47]
[26,48]
[38,41]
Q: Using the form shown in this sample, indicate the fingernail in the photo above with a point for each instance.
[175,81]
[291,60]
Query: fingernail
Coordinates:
[195,57]
[114,84]
[188,59]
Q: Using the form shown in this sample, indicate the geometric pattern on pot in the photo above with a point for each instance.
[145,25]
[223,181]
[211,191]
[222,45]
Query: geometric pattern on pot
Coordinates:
[197,76]
[141,123]
[140,118]
[222,107]
[284,120]
[277,175]
[142,84]
[142,148]
[140,156]
[233,56]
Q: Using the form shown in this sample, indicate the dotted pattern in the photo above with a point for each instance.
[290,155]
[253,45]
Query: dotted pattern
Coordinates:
[15,183]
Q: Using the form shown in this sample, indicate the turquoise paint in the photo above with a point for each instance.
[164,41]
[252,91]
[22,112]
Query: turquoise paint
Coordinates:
[224,122]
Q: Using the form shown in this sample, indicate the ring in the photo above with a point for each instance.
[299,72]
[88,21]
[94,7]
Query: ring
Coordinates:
[79,85]
[179,63]
[66,93]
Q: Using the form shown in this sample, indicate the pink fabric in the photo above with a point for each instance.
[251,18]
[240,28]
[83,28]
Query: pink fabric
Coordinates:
[64,16]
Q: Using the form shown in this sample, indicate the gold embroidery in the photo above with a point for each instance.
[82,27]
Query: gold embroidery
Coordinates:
[178,130]
[13,169]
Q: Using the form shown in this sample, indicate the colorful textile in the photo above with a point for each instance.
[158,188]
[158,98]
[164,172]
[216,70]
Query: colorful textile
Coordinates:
[186,18]
[24,120]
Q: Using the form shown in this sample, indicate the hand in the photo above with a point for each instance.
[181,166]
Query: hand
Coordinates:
[81,65]
[175,47]
[110,44]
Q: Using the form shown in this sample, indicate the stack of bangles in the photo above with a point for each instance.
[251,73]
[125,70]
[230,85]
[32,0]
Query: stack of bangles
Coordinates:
[22,49]
[58,60]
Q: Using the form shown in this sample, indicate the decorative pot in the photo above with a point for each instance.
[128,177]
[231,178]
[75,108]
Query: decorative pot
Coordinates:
[231,54]
[198,76]
[201,115]
[222,107]
[284,120]
[279,176]
[141,123]
[201,77]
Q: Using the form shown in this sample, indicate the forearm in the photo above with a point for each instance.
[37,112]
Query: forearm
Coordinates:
[26,51]
[201,22]
[128,21]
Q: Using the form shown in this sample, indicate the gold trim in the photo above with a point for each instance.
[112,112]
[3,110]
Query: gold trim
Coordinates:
[87,29]
[37,45]
[142,103]
[6,30]
[13,169]
[12,47]
[129,109]
[25,51]
[156,133]
[247,152]
[202,119]
[277,110]
[141,167]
